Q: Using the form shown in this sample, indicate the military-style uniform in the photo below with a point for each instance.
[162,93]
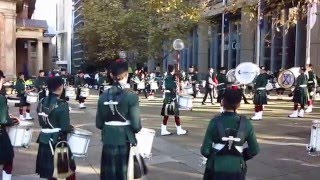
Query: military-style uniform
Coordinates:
[301,90]
[193,79]
[222,85]
[79,83]
[21,93]
[260,95]
[41,85]
[66,83]
[223,162]
[53,130]
[103,81]
[312,79]
[170,102]
[119,124]
[6,149]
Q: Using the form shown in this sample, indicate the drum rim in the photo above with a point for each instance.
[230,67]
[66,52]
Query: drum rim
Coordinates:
[87,133]
[248,64]
[280,84]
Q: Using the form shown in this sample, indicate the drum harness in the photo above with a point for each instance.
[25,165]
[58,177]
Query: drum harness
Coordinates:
[46,120]
[116,119]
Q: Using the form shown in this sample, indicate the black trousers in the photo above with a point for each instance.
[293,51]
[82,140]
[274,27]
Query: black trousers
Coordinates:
[194,90]
[210,92]
[211,175]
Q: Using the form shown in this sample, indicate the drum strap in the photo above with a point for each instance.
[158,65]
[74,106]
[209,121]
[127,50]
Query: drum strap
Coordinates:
[113,101]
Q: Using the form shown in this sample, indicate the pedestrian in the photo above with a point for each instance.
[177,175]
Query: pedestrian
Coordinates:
[66,81]
[170,103]
[192,78]
[55,126]
[300,94]
[222,85]
[223,144]
[260,94]
[6,120]
[22,92]
[118,117]
[80,83]
[210,84]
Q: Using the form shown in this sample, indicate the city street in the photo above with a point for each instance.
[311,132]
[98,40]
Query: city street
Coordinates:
[282,140]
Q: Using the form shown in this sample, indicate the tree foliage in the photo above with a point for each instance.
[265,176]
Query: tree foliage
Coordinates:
[143,28]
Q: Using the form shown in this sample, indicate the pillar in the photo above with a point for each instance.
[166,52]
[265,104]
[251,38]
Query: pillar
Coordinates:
[300,45]
[285,14]
[10,45]
[203,47]
[315,37]
[273,44]
[40,54]
[151,65]
[247,36]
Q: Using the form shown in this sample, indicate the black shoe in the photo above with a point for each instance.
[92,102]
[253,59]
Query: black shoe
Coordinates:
[203,103]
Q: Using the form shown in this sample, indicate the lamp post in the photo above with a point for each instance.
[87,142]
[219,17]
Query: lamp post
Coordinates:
[122,55]
[178,45]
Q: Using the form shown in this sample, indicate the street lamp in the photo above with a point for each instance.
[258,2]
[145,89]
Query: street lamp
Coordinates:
[178,45]
[122,55]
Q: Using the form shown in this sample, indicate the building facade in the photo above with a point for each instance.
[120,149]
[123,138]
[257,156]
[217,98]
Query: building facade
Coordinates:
[24,43]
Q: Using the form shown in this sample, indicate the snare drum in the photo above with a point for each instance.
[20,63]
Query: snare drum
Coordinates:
[79,142]
[32,97]
[141,85]
[188,90]
[269,86]
[185,102]
[145,140]
[154,86]
[21,135]
[84,92]
[13,100]
[70,92]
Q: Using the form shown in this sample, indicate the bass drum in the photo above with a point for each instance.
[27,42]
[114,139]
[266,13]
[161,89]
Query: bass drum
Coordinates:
[287,78]
[246,72]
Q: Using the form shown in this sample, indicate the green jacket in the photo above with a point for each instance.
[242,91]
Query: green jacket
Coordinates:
[40,83]
[59,117]
[301,80]
[222,78]
[80,82]
[4,112]
[129,108]
[312,77]
[227,163]
[261,81]
[20,87]
[103,80]
[171,85]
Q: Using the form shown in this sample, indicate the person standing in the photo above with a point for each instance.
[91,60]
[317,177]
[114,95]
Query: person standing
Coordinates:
[192,79]
[223,144]
[222,85]
[41,85]
[300,94]
[66,82]
[260,95]
[22,94]
[103,81]
[118,117]
[6,120]
[80,82]
[54,119]
[312,84]
[170,103]
[210,84]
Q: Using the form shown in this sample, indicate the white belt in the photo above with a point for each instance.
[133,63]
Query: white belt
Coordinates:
[167,91]
[117,123]
[261,88]
[47,131]
[219,146]
[310,81]
[304,85]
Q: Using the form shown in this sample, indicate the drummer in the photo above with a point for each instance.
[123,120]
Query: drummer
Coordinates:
[119,124]
[312,84]
[222,85]
[103,81]
[170,104]
[55,125]
[41,84]
[22,94]
[300,94]
[80,83]
[260,95]
[6,120]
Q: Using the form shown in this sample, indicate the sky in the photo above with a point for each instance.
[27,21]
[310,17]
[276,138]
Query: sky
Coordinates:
[46,10]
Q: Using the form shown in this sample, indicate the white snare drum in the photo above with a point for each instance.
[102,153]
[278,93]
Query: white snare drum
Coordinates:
[269,86]
[141,85]
[21,135]
[145,140]
[79,142]
[84,92]
[185,102]
[70,92]
[13,100]
[314,145]
[32,97]
[154,86]
[106,87]
[188,90]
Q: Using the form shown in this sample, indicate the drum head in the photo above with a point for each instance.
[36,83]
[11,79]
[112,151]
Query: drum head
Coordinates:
[295,71]
[286,79]
[82,132]
[231,76]
[246,72]
[186,96]
[25,124]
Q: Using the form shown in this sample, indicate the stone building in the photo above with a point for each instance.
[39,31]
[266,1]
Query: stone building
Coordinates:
[24,44]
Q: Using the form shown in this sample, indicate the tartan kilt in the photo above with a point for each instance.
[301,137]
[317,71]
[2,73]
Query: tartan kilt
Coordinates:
[78,97]
[300,95]
[114,162]
[260,97]
[164,109]
[7,153]
[23,101]
[45,162]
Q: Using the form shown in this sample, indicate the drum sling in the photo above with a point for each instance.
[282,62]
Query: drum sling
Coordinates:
[112,102]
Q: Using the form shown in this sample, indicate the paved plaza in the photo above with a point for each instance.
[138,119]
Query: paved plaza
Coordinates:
[283,141]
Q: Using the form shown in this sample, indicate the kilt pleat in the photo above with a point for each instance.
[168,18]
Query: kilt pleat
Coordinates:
[176,109]
[114,162]
[260,97]
[23,101]
[301,96]
[45,162]
[6,149]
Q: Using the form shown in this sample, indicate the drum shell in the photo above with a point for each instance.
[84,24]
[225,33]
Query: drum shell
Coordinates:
[79,143]
[20,135]
[84,92]
[145,140]
[141,85]
[188,90]
[70,92]
[154,86]
[32,98]
[186,102]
